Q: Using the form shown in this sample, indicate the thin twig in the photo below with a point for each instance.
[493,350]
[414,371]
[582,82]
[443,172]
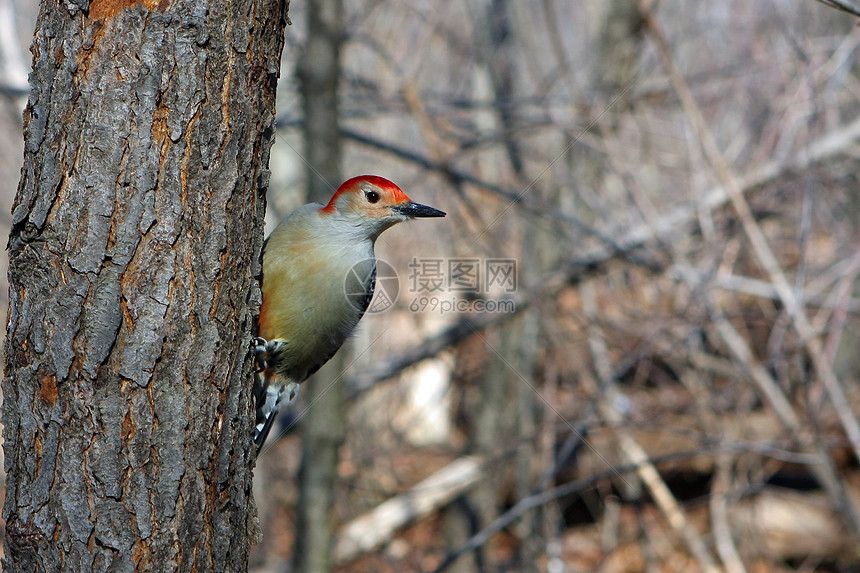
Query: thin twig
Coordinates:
[723,540]
[844,5]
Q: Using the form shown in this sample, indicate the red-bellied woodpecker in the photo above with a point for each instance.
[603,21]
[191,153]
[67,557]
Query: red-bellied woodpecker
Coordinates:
[309,304]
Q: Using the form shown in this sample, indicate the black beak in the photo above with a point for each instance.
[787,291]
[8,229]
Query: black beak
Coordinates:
[416,210]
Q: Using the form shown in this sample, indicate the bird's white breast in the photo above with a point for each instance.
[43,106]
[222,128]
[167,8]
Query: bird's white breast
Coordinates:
[313,269]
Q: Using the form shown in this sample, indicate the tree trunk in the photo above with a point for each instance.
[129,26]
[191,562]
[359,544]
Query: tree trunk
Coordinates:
[324,426]
[136,232]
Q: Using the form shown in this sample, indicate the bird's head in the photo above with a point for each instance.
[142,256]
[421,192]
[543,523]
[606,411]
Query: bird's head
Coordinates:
[377,203]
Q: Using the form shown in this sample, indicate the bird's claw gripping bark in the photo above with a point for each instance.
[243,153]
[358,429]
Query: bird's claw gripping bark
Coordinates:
[261,352]
[265,350]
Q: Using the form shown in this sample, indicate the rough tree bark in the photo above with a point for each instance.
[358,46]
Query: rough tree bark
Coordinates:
[136,230]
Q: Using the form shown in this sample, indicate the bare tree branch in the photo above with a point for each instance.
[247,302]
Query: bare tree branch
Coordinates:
[849,6]
[372,529]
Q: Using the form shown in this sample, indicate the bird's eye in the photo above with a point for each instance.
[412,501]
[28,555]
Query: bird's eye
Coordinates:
[371,196]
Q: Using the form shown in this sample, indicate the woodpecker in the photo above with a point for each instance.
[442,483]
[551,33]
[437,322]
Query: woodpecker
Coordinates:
[314,263]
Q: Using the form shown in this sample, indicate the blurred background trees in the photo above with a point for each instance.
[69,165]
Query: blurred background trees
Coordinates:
[674,387]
